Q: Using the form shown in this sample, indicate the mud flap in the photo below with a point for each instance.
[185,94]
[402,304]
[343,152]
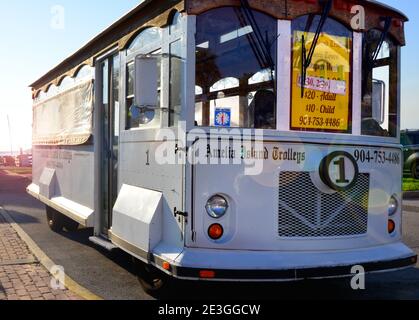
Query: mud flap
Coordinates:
[137,220]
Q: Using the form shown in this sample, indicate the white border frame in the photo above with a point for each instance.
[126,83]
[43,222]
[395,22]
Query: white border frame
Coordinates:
[284,76]
[357,84]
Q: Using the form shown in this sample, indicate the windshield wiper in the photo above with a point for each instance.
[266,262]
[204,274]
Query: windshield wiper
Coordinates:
[307,58]
[387,26]
[263,46]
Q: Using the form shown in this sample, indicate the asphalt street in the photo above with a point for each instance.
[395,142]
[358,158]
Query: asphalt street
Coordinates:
[111,276]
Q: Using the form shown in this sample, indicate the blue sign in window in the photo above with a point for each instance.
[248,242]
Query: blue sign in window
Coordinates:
[222,117]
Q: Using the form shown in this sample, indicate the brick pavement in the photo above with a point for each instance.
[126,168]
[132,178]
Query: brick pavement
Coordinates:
[21,276]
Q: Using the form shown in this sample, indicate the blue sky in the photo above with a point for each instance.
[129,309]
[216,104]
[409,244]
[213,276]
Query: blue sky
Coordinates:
[30,47]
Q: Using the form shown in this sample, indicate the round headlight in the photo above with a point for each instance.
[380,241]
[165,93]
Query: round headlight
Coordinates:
[393,206]
[217,206]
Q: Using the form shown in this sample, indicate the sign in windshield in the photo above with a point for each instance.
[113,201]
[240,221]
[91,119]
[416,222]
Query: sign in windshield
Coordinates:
[324,104]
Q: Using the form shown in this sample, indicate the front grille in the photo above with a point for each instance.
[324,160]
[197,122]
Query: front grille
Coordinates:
[306,212]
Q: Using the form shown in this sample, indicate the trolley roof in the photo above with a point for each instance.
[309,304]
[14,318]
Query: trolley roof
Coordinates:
[161,10]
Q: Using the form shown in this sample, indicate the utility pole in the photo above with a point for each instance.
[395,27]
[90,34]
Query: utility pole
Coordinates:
[10,136]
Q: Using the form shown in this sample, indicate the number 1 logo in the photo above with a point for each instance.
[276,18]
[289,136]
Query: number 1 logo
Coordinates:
[339,171]
[342,174]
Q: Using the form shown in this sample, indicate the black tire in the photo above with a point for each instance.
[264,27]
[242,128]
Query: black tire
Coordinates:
[415,170]
[57,221]
[54,219]
[153,281]
[70,225]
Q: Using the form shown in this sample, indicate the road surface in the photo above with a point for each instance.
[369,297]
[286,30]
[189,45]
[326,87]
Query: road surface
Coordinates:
[112,276]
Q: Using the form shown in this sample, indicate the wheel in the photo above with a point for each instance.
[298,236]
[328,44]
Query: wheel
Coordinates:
[54,219]
[70,225]
[153,281]
[415,170]
[57,221]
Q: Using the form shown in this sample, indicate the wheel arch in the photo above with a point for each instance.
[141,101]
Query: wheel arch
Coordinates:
[411,159]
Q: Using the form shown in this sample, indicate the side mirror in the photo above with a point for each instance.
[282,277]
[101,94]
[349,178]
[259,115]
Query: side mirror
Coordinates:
[378,100]
[146,81]
[143,115]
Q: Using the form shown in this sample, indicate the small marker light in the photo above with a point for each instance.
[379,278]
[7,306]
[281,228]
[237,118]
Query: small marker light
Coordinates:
[167,266]
[391,226]
[207,274]
[216,231]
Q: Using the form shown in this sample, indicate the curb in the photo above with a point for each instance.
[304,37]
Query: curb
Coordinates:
[44,260]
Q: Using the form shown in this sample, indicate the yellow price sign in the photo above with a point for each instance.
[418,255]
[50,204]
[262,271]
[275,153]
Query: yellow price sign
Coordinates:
[325,101]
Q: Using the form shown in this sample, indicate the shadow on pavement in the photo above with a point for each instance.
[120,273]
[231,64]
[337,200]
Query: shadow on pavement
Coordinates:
[118,256]
[80,236]
[22,218]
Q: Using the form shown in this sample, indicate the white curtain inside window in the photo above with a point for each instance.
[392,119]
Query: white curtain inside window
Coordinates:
[65,119]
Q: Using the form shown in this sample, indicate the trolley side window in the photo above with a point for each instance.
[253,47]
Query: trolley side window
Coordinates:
[379,87]
[321,75]
[235,69]
[148,41]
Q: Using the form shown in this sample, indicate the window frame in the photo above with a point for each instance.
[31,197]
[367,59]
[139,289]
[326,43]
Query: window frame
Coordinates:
[393,62]
[198,97]
[150,47]
[171,36]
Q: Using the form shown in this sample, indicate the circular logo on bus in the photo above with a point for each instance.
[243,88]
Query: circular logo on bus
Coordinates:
[339,171]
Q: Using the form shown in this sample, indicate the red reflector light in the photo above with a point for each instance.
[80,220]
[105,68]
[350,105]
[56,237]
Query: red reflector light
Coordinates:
[216,231]
[166,266]
[391,226]
[207,274]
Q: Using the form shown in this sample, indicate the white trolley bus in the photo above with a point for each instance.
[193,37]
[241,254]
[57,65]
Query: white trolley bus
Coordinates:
[231,140]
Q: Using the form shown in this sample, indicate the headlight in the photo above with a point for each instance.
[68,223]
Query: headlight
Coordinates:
[217,206]
[393,206]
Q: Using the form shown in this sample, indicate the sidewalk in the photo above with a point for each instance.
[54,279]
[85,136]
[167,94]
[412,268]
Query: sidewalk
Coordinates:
[22,277]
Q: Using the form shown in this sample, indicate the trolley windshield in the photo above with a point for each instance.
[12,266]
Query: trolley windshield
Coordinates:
[339,80]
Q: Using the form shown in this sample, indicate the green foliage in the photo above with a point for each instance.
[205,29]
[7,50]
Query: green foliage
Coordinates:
[410,184]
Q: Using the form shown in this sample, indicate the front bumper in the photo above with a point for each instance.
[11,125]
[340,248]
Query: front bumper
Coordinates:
[294,274]
[289,266]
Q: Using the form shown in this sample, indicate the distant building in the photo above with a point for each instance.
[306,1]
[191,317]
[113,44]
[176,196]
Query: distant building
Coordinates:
[23,160]
[8,161]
